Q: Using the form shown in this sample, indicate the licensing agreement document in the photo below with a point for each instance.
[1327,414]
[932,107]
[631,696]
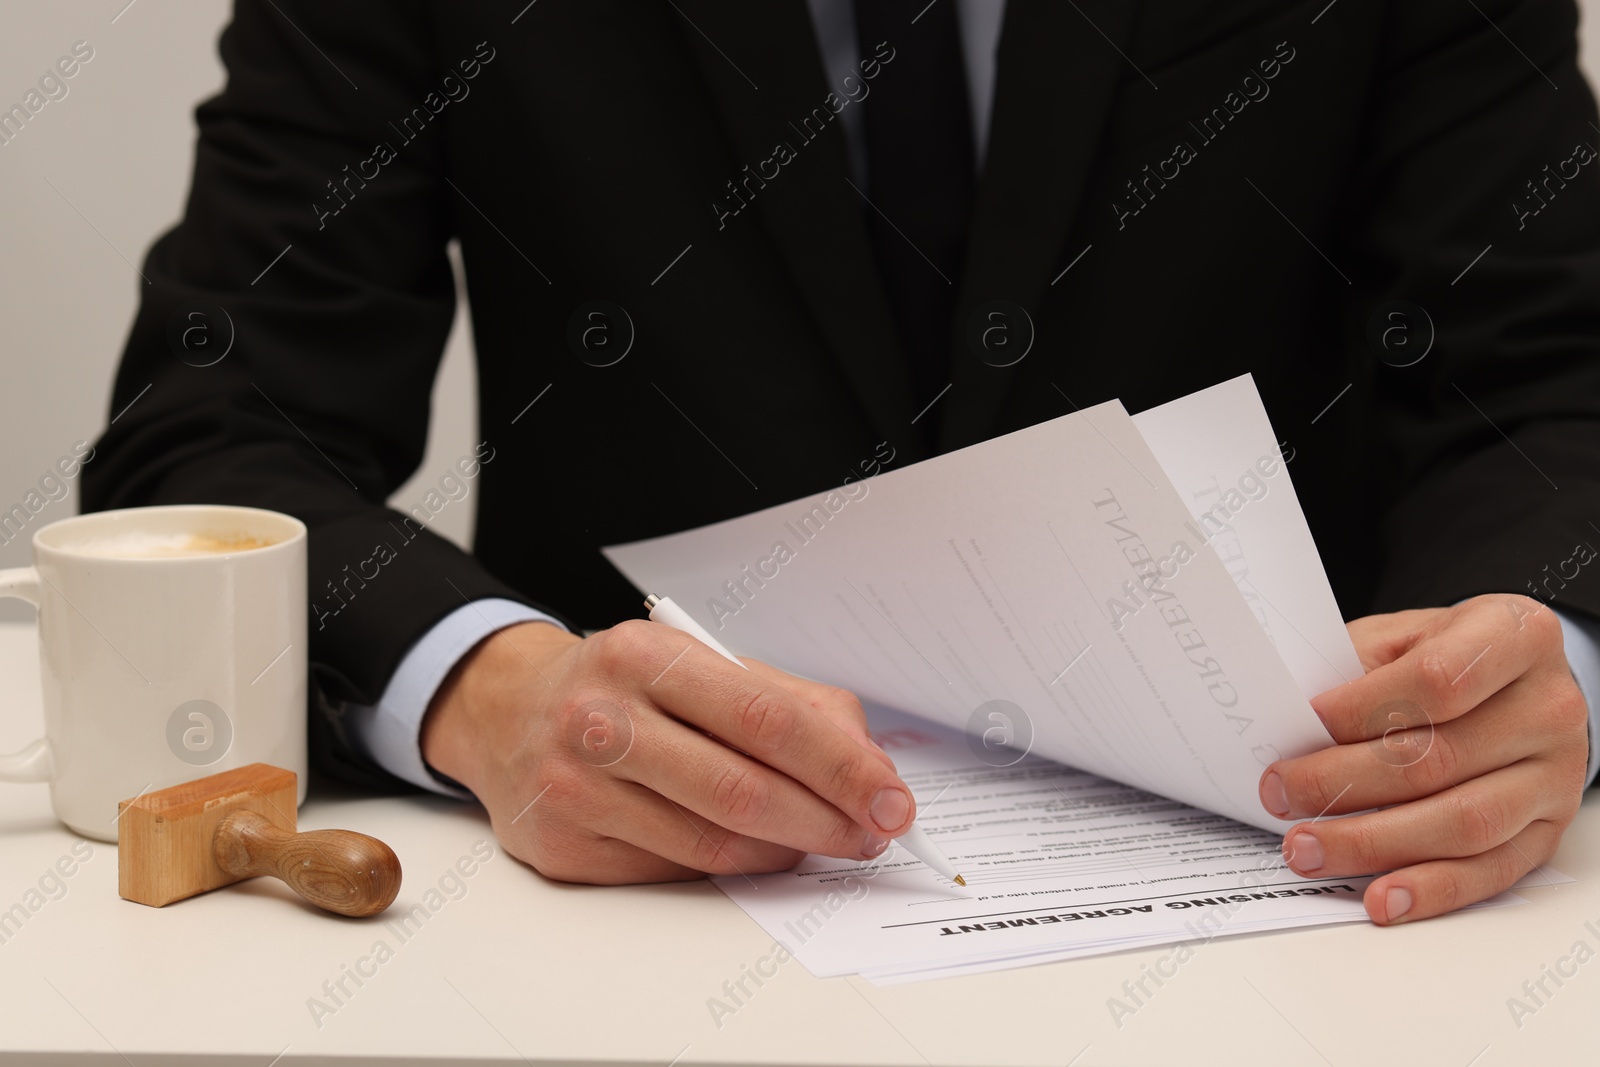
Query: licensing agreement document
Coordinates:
[1054,858]
[1059,863]
[1055,589]
[1096,632]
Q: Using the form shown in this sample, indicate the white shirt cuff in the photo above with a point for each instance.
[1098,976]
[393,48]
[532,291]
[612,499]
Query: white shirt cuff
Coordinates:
[1581,637]
[390,734]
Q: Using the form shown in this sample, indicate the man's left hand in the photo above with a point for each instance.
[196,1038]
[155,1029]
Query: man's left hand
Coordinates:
[1469,738]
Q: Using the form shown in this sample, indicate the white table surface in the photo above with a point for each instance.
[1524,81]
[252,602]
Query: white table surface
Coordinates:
[521,969]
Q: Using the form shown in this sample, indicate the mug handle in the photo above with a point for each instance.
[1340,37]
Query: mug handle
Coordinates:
[32,764]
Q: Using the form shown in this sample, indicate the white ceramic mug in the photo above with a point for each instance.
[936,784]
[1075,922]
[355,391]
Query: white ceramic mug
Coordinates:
[168,651]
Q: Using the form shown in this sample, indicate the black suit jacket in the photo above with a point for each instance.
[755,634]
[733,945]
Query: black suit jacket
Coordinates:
[1240,185]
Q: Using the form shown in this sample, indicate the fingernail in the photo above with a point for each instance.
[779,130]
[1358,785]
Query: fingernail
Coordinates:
[1304,853]
[1396,902]
[874,845]
[1274,796]
[890,808]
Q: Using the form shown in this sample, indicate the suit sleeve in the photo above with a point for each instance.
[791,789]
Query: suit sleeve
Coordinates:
[1478,198]
[312,250]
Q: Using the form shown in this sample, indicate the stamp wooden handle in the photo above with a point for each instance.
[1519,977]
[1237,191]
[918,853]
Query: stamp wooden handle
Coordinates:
[338,870]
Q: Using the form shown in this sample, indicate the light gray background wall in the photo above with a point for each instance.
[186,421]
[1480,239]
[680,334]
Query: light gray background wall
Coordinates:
[93,179]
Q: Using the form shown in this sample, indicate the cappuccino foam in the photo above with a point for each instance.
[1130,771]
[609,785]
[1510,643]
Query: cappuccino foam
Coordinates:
[143,544]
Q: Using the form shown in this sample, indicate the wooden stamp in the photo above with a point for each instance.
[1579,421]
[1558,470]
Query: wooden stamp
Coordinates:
[201,835]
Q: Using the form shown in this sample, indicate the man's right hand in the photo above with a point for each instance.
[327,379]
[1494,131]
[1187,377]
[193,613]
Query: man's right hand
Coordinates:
[640,755]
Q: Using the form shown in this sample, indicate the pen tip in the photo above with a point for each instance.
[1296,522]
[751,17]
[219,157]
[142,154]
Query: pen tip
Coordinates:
[960,880]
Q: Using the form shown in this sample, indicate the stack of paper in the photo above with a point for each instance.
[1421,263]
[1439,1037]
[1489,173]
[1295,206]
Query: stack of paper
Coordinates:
[1106,627]
[1059,863]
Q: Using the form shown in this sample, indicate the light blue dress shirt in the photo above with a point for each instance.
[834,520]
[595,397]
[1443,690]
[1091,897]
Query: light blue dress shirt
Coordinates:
[389,733]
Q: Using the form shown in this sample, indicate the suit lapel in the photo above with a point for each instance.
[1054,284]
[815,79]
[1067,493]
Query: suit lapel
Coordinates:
[761,65]
[1056,77]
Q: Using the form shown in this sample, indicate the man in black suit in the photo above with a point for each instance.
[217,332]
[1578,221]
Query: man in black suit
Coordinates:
[719,252]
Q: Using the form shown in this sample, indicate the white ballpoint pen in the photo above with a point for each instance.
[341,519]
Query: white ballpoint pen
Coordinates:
[915,840]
